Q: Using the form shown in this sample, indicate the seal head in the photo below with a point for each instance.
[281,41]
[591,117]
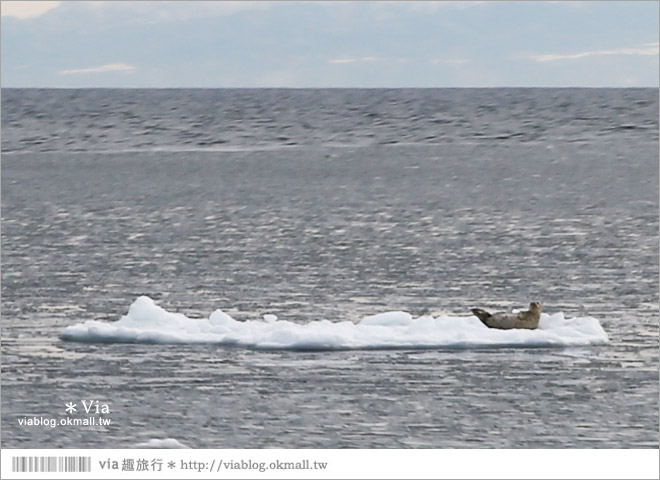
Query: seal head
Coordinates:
[505,321]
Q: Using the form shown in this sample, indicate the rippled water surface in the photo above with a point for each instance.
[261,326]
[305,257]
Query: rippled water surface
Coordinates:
[331,204]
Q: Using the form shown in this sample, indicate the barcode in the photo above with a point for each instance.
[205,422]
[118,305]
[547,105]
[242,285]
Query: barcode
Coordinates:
[51,464]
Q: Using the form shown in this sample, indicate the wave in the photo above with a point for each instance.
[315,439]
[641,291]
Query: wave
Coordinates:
[147,322]
[157,149]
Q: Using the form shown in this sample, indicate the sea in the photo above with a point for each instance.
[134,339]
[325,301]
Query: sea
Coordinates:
[299,207]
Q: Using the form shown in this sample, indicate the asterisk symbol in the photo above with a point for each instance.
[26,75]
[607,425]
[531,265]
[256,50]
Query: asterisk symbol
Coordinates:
[70,407]
[171,464]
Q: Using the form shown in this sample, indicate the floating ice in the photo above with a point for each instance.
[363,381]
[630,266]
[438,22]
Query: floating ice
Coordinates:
[146,322]
[161,443]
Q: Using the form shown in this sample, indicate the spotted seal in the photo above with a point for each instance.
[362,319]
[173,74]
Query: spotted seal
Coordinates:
[505,321]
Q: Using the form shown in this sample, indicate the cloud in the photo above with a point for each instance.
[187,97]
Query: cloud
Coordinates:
[430,7]
[353,60]
[25,10]
[150,12]
[449,61]
[646,49]
[111,67]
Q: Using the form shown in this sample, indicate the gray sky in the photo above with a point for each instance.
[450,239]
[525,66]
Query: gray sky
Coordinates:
[329,44]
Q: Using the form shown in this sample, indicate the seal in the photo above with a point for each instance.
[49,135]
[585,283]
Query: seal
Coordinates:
[506,321]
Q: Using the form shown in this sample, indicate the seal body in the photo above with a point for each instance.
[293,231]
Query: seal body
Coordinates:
[506,321]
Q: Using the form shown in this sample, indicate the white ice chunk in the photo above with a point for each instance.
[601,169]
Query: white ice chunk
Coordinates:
[146,322]
[161,443]
[388,319]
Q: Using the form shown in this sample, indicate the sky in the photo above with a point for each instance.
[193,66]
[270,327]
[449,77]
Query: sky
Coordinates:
[363,44]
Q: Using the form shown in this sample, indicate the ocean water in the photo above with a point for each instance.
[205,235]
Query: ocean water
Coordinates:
[330,206]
